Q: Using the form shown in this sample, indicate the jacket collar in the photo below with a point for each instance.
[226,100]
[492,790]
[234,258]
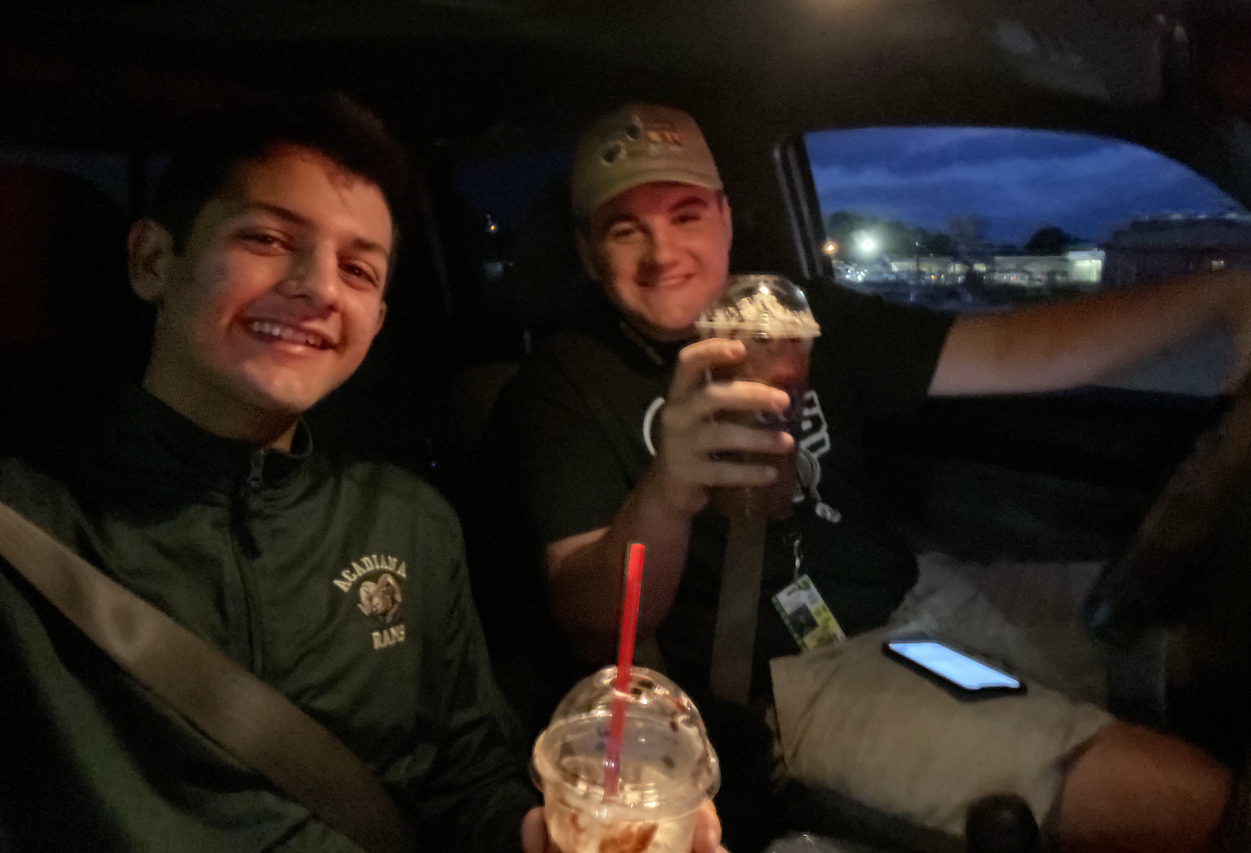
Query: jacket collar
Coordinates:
[144,445]
[605,322]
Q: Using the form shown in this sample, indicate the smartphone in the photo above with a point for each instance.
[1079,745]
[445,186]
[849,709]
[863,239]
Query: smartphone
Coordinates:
[958,672]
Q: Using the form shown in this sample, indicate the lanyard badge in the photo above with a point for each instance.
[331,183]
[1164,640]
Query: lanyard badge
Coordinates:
[803,610]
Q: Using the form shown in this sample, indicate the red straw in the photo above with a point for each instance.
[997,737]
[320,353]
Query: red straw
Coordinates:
[625,655]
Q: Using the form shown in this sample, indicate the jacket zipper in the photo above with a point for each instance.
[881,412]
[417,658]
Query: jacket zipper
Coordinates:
[248,550]
[251,487]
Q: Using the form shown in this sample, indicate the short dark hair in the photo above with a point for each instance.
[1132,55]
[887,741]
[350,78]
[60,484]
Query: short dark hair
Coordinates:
[329,123]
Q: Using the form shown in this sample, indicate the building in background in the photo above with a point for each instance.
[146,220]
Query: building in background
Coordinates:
[1080,267]
[1177,244]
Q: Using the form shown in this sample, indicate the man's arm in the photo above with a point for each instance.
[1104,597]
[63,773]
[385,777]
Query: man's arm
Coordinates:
[584,571]
[1076,341]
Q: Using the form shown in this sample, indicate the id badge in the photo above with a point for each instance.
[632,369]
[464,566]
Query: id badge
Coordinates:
[806,615]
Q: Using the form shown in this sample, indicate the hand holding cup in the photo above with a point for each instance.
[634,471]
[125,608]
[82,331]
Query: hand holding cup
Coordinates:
[769,316]
[668,771]
[703,441]
[534,837]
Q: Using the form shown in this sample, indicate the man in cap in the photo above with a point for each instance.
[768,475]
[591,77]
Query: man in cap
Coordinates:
[615,435]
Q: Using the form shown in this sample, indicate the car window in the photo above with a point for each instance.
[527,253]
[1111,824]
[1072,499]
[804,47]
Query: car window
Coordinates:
[979,219]
[511,249]
[496,195]
[109,173]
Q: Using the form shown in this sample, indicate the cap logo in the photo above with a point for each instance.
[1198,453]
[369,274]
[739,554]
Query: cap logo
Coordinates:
[659,138]
[666,136]
[612,151]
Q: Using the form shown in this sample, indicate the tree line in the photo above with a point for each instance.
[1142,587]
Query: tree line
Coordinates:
[965,236]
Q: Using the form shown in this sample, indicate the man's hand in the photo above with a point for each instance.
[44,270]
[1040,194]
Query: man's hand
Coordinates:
[695,433]
[534,838]
[583,570]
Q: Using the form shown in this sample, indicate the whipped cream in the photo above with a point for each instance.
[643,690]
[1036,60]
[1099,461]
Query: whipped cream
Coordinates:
[759,313]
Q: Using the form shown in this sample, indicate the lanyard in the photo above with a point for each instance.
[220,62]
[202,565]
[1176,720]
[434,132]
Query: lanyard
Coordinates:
[794,540]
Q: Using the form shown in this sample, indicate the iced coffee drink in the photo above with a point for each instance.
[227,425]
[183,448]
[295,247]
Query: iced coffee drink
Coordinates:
[667,768]
[770,315]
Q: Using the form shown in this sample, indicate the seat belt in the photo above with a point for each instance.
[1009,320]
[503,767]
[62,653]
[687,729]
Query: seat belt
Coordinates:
[734,633]
[251,720]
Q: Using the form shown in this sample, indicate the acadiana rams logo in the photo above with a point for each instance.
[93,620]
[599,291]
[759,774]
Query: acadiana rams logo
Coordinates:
[377,582]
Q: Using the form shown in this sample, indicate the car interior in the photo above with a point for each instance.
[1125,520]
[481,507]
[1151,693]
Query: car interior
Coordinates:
[1145,477]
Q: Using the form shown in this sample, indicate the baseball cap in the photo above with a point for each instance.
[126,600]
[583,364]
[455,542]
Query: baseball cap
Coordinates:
[639,144]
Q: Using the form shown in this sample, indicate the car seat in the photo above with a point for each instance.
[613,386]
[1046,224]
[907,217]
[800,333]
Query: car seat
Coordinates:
[540,290]
[71,332]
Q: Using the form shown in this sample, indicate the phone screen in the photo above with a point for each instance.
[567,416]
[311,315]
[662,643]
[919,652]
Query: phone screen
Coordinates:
[954,666]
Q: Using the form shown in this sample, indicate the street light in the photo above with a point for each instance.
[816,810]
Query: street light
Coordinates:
[830,248]
[866,243]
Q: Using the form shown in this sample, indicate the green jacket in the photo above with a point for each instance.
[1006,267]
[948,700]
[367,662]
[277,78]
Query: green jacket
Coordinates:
[341,585]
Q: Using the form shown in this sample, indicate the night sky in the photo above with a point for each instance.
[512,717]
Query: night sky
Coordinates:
[1016,180]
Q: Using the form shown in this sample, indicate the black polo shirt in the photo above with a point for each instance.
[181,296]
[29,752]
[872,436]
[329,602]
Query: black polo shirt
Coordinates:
[577,423]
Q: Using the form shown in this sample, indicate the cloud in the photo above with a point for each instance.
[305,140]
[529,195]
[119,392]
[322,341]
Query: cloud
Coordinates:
[1017,180]
[921,149]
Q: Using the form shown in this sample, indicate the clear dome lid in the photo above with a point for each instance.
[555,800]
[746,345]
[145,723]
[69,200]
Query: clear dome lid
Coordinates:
[667,762]
[768,306]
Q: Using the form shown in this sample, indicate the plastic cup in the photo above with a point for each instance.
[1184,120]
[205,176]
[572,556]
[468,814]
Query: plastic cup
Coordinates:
[770,315]
[667,768]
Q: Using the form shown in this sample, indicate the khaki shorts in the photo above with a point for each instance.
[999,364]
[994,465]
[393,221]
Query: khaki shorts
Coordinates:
[850,718]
